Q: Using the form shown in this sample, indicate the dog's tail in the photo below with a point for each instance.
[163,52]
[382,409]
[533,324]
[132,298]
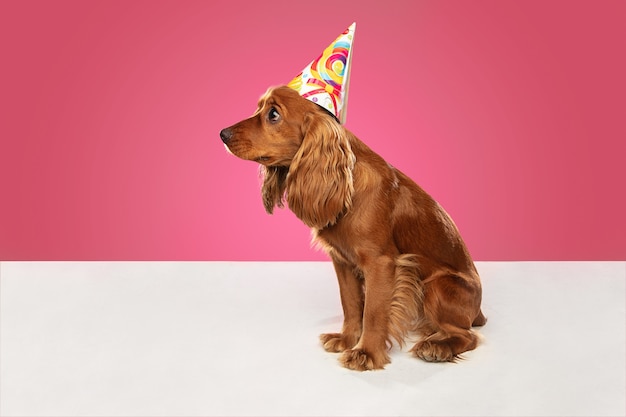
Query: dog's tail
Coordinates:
[480,320]
[407,299]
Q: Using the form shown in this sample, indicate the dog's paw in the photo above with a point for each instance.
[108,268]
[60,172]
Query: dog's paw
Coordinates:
[334,342]
[434,351]
[360,360]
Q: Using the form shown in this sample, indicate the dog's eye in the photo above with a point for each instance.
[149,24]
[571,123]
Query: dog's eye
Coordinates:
[273,115]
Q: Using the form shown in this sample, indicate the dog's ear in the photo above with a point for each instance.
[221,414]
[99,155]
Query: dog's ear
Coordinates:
[273,189]
[320,184]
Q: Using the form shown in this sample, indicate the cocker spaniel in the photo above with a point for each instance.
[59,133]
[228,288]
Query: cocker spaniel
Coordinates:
[401,263]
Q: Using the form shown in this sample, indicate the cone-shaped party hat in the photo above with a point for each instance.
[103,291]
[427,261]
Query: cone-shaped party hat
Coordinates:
[325,80]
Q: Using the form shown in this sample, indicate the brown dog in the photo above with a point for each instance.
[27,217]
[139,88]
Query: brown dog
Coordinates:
[400,260]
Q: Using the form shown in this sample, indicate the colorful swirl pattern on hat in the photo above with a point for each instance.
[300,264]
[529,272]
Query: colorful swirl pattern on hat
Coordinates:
[325,80]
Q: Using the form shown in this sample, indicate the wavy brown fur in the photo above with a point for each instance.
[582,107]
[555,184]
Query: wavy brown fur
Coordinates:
[401,263]
[407,299]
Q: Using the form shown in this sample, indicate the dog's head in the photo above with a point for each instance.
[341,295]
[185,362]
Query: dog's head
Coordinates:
[304,152]
[274,133]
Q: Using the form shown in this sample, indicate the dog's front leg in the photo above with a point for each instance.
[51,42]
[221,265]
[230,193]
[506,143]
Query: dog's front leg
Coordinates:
[371,350]
[352,299]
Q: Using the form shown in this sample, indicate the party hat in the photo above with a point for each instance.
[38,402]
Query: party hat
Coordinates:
[325,80]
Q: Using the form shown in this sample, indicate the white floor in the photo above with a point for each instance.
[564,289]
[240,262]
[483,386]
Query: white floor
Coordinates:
[191,339]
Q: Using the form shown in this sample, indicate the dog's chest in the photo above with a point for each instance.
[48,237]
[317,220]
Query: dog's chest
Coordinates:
[330,242]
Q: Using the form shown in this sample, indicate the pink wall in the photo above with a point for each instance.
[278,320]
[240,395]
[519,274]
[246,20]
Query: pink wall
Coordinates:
[511,114]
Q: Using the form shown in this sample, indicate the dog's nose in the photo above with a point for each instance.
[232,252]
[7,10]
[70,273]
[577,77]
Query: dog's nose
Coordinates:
[226,134]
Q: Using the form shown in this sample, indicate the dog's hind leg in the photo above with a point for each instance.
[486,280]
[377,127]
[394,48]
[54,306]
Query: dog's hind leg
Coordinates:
[451,307]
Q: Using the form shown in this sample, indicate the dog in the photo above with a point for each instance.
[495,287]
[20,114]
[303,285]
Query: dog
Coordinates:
[401,263]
